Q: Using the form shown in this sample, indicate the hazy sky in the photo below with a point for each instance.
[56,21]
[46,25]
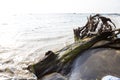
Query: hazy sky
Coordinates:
[59,6]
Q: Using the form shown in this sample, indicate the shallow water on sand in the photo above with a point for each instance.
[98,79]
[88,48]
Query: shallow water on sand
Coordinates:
[24,38]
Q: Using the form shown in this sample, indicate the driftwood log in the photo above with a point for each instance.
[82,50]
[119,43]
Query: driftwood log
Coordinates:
[54,62]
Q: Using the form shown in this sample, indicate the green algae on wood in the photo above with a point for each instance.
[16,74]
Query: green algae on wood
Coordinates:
[54,63]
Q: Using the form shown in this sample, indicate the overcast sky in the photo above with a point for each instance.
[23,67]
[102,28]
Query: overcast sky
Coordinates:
[59,6]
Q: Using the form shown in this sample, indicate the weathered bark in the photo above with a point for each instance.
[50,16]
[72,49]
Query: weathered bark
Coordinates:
[73,53]
[55,63]
[114,44]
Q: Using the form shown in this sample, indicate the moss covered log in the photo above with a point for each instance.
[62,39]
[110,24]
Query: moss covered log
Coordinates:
[71,55]
[55,63]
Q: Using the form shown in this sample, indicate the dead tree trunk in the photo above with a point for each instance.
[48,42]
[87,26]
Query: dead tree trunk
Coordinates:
[62,64]
[54,63]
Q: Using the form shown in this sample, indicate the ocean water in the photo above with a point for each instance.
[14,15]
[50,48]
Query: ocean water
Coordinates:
[24,38]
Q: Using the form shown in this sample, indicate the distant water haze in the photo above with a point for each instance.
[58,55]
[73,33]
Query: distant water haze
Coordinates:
[58,6]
